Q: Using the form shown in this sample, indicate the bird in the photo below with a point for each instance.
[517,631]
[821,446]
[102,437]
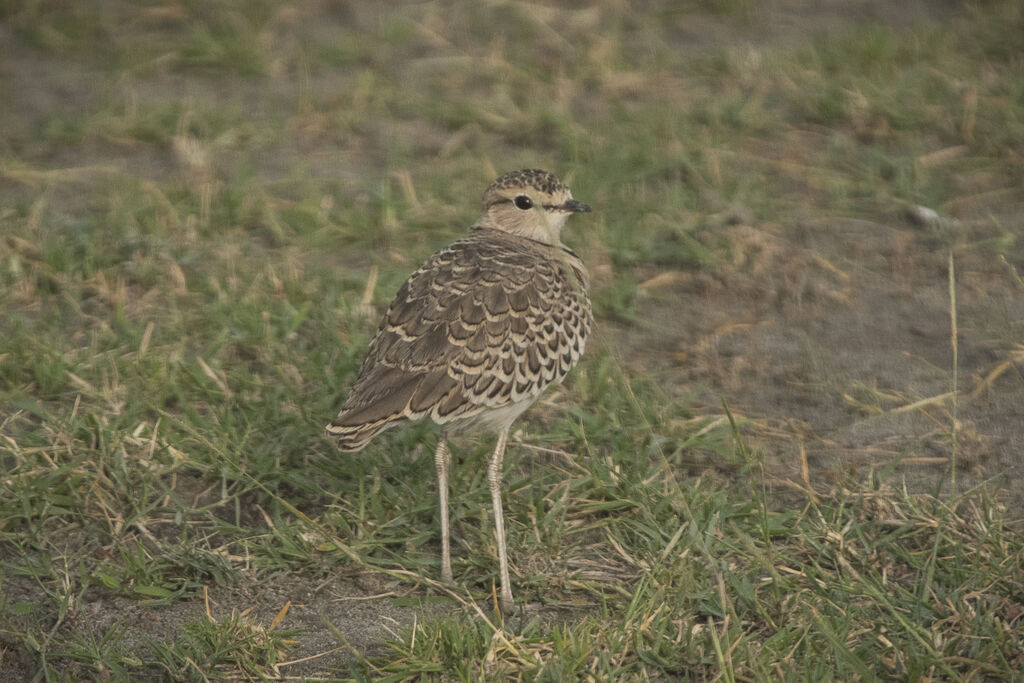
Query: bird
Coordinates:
[476,334]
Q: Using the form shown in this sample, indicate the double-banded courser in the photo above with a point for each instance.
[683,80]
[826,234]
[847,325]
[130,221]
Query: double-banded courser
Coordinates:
[475,335]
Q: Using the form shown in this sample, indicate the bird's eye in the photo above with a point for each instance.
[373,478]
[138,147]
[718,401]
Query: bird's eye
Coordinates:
[523,202]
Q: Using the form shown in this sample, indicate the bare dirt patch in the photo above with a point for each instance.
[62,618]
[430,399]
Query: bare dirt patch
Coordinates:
[827,338]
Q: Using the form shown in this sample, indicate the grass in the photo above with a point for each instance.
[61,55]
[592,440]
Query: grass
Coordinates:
[186,293]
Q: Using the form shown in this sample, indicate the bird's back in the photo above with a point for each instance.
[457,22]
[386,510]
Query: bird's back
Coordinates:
[472,337]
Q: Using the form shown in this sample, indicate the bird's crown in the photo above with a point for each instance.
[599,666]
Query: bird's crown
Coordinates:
[542,181]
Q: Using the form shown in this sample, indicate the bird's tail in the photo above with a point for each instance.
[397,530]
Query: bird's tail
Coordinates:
[353,437]
[378,401]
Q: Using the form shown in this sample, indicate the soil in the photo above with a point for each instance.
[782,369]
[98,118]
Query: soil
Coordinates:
[820,338]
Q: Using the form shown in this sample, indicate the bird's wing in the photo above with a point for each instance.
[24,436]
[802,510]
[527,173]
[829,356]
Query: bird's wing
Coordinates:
[483,324]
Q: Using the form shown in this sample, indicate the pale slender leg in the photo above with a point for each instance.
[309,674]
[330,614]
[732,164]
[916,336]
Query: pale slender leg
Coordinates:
[494,479]
[443,460]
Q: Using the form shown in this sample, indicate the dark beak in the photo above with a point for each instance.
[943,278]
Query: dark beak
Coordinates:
[575,206]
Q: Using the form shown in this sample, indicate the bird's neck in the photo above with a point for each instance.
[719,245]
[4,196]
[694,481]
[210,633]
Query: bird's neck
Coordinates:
[547,231]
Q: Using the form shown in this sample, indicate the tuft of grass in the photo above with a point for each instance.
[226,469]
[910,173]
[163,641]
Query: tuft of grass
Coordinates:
[224,649]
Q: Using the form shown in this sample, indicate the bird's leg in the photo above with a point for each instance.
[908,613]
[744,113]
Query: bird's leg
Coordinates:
[494,479]
[443,460]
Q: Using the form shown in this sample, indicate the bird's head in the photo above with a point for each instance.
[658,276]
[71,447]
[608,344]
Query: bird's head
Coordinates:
[530,203]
